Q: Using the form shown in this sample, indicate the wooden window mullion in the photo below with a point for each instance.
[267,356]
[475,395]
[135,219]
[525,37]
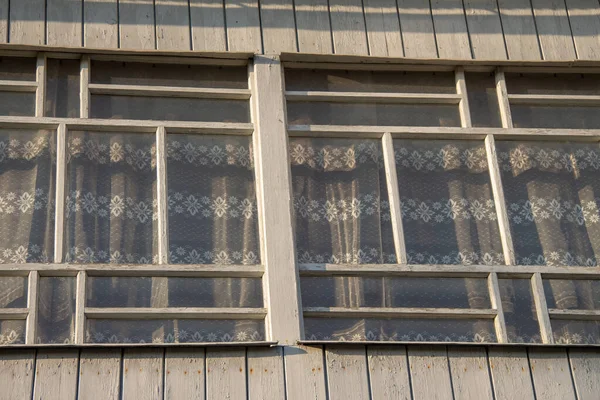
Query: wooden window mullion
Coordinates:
[394,198]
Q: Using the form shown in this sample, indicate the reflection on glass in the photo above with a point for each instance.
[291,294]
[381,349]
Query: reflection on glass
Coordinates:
[519,311]
[572,294]
[483,99]
[62,88]
[576,332]
[56,310]
[13,292]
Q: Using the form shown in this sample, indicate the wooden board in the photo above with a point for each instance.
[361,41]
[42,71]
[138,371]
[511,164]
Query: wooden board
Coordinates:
[429,371]
[136,24]
[27,22]
[417,29]
[584,16]
[172,25]
[553,30]
[184,374]
[509,368]
[312,25]
[101,24]
[4,21]
[485,29]
[383,28]
[585,368]
[207,19]
[347,376]
[304,373]
[99,374]
[265,373]
[225,373]
[56,375]
[143,374]
[278,26]
[451,29]
[243,25]
[520,34]
[551,374]
[16,374]
[348,27]
[470,374]
[64,18]
[388,372]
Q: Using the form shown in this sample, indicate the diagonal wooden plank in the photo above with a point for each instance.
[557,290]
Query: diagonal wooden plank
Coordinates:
[348,27]
[208,25]
[64,18]
[383,28]
[172,25]
[553,29]
[56,375]
[4,21]
[485,29]
[101,24]
[312,24]
[265,373]
[143,374]
[451,29]
[509,368]
[585,367]
[429,371]
[226,373]
[100,373]
[304,373]
[136,24]
[347,373]
[27,22]
[584,16]
[243,25]
[278,26]
[388,372]
[551,374]
[16,374]
[520,33]
[470,374]
[417,29]
[184,374]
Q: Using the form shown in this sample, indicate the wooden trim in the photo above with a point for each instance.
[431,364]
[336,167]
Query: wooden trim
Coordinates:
[579,315]
[321,343]
[84,92]
[32,298]
[554,100]
[80,307]
[503,103]
[167,91]
[541,307]
[61,181]
[20,86]
[398,312]
[370,97]
[162,196]
[176,313]
[499,321]
[40,78]
[394,198]
[463,105]
[14,313]
[137,345]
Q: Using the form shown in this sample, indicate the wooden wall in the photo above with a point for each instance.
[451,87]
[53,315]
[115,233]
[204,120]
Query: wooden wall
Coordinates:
[457,29]
[336,372]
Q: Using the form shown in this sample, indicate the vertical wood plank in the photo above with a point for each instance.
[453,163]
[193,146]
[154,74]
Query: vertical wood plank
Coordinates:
[101,24]
[27,22]
[225,373]
[32,304]
[312,24]
[348,27]
[585,367]
[584,16]
[519,28]
[4,21]
[184,374]
[16,374]
[162,196]
[80,307]
[496,300]
[388,372]
[172,25]
[383,28]
[265,373]
[243,25]
[463,106]
[417,29]
[551,374]
[136,24]
[61,179]
[485,29]
[278,26]
[99,374]
[394,198]
[503,102]
[40,79]
[143,374]
[56,375]
[208,25]
[64,23]
[541,307]
[509,368]
[470,374]
[554,31]
[304,373]
[429,371]
[451,29]
[84,87]
[347,373]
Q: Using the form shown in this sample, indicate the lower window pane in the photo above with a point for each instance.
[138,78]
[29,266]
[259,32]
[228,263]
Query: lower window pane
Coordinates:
[572,294]
[12,332]
[519,311]
[576,332]
[17,104]
[13,292]
[56,310]
[525,116]
[409,330]
[173,331]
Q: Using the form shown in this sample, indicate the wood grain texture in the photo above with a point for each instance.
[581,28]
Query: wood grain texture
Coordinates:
[485,29]
[101,24]
[64,19]
[520,33]
[143,374]
[136,24]
[551,374]
[27,22]
[388,372]
[470,374]
[184,374]
[417,29]
[383,28]
[56,375]
[429,371]
[16,374]
[172,25]
[585,367]
[4,21]
[553,29]
[99,374]
[313,27]
[208,25]
[243,25]
[584,16]
[304,373]
[226,374]
[451,29]
[278,26]
[348,27]
[347,373]
[265,373]
[509,368]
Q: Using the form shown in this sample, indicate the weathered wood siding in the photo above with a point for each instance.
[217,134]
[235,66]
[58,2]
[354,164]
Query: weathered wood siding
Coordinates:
[467,29]
[333,372]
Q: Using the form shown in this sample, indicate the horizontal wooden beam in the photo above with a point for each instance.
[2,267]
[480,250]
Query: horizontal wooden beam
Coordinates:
[13,313]
[63,346]
[398,312]
[554,100]
[18,86]
[176,313]
[370,97]
[556,313]
[169,91]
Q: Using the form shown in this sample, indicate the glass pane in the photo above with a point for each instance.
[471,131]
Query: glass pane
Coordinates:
[573,84]
[301,113]
[171,109]
[180,75]
[62,88]
[173,331]
[17,69]
[174,292]
[576,332]
[409,330]
[12,332]
[572,294]
[483,99]
[111,198]
[370,81]
[27,191]
[18,104]
[212,200]
[56,310]
[350,291]
[551,192]
[519,311]
[13,292]
[341,206]
[448,210]
[555,117]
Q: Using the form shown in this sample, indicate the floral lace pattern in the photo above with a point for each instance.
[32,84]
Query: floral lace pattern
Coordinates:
[28,150]
[197,205]
[12,336]
[89,255]
[440,157]
[26,202]
[412,336]
[137,157]
[557,258]
[328,211]
[211,155]
[183,255]
[361,256]
[537,209]
[456,258]
[111,206]
[448,210]
[336,157]
[524,157]
[24,254]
